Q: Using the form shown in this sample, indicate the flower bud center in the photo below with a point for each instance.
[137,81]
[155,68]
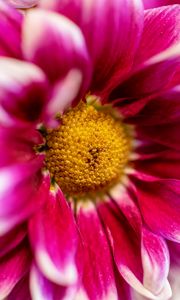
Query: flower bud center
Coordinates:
[88,152]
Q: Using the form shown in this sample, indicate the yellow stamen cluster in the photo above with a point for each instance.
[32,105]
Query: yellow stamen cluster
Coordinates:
[87,153]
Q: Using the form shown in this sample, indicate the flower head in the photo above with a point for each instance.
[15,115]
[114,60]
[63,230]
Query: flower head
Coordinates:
[89,114]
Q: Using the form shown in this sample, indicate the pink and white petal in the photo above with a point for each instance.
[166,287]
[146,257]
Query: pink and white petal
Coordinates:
[155,75]
[21,290]
[161,109]
[13,267]
[98,278]
[53,237]
[112,34]
[156,3]
[10,31]
[132,256]
[23,3]
[23,89]
[67,90]
[161,31]
[23,191]
[65,48]
[11,240]
[18,146]
[160,206]
[43,289]
[155,260]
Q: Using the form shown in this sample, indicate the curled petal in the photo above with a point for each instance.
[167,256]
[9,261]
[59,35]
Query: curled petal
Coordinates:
[23,88]
[53,237]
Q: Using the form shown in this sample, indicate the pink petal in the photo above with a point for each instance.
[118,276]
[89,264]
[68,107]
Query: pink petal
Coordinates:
[161,109]
[143,265]
[18,146]
[94,256]
[156,3]
[111,34]
[154,76]
[164,134]
[164,165]
[21,290]
[10,31]
[161,31]
[43,289]
[12,268]
[23,3]
[160,206]
[65,48]
[23,190]
[53,237]
[174,249]
[12,239]
[23,89]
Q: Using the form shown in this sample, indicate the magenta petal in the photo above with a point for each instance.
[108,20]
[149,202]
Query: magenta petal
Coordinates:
[22,192]
[12,239]
[65,48]
[164,134]
[136,259]
[43,289]
[18,146]
[155,75]
[161,31]
[23,3]
[21,290]
[54,238]
[94,255]
[161,109]
[12,268]
[160,206]
[10,31]
[156,3]
[23,92]
[112,30]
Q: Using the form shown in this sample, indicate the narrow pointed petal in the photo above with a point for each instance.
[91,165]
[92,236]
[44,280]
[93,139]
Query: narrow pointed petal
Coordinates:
[24,189]
[160,206]
[112,34]
[54,238]
[97,274]
[10,31]
[65,42]
[23,92]
[12,268]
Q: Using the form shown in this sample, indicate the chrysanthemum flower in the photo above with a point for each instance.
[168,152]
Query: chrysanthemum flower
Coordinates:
[89,113]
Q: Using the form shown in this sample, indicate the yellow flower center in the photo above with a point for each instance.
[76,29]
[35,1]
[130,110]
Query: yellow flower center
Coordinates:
[88,152]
